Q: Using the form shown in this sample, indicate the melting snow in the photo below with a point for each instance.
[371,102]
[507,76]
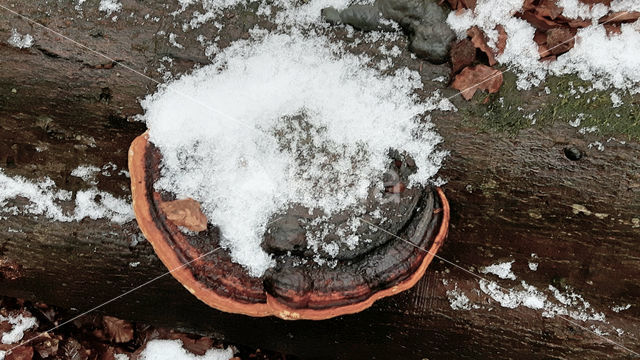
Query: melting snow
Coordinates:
[568,303]
[20,325]
[172,349]
[618,308]
[108,6]
[459,301]
[20,41]
[45,199]
[503,270]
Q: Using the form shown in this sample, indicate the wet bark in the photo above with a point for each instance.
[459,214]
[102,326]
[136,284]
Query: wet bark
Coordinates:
[511,196]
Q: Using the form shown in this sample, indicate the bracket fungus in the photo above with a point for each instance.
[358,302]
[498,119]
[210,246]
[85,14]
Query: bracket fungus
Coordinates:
[301,285]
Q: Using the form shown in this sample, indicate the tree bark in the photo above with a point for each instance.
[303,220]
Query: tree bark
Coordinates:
[510,196]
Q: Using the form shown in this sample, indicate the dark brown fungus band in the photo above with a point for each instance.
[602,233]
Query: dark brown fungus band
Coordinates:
[303,284]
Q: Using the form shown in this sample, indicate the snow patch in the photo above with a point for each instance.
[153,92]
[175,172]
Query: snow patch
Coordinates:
[109,6]
[20,325]
[459,301]
[87,173]
[44,199]
[296,119]
[172,349]
[561,303]
[618,308]
[502,270]
[20,41]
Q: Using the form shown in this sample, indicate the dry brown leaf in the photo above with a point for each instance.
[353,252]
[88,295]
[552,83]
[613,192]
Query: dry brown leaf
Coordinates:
[46,346]
[185,212]
[593,2]
[559,40]
[20,353]
[612,29]
[479,41]
[463,54]
[479,77]
[120,331]
[195,346]
[538,22]
[540,38]
[469,4]
[10,270]
[501,44]
[528,5]
[621,16]
[74,351]
[548,9]
[578,23]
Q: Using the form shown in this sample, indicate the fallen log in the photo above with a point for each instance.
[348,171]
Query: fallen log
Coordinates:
[511,196]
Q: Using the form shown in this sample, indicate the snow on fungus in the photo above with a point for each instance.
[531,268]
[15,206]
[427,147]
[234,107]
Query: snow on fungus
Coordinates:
[298,154]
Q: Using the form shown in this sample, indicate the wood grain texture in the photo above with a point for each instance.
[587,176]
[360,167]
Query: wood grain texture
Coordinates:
[510,196]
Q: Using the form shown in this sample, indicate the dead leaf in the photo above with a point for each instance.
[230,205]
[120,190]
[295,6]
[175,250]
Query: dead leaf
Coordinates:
[74,351]
[185,212]
[578,23]
[538,22]
[195,346]
[528,5]
[501,44]
[47,347]
[612,29]
[593,2]
[10,270]
[479,77]
[463,54]
[479,41]
[469,4]
[548,9]
[620,16]
[20,353]
[5,327]
[540,38]
[120,331]
[559,40]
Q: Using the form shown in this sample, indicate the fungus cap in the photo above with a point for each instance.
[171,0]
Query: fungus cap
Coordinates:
[290,290]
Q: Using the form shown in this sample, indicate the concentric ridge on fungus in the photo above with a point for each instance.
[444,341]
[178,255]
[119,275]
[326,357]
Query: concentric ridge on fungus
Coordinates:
[288,292]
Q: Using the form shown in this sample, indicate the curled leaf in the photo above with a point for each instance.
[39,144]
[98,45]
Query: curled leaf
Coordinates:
[479,77]
[119,330]
[480,41]
[185,212]
[463,54]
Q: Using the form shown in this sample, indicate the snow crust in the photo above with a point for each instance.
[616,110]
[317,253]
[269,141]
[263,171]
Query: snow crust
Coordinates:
[502,270]
[46,200]
[20,41]
[607,60]
[282,119]
[290,12]
[108,6]
[458,300]
[20,325]
[172,349]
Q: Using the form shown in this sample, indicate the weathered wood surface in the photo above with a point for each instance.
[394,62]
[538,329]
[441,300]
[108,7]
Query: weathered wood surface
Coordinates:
[510,197]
